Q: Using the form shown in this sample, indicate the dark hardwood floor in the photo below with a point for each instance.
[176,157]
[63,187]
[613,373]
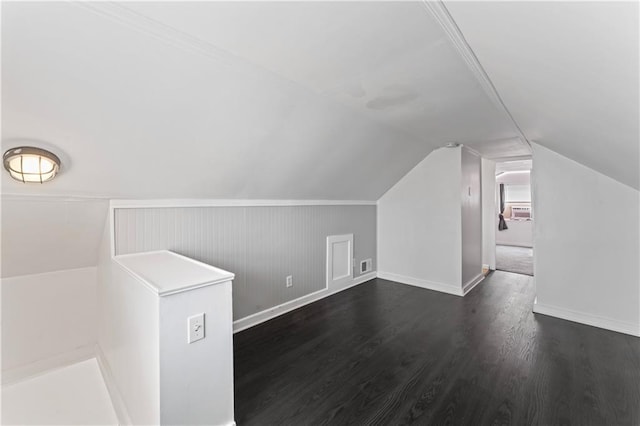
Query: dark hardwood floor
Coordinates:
[387,354]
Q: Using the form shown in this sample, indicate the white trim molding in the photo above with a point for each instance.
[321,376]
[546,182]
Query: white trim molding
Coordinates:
[331,282]
[218,275]
[442,16]
[417,282]
[276,311]
[169,203]
[588,319]
[117,401]
[174,37]
[47,365]
[472,283]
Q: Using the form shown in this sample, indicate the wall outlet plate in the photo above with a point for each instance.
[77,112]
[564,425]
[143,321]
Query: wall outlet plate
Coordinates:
[195,325]
[289,280]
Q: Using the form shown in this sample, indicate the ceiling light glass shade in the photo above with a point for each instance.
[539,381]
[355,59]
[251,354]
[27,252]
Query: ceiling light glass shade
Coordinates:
[30,164]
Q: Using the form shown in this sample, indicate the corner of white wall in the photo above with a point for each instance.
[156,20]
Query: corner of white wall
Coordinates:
[127,343]
[419,225]
[49,321]
[586,238]
[489,216]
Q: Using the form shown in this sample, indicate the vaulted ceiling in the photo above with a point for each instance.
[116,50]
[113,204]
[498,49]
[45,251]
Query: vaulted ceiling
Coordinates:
[311,100]
[294,100]
[306,100]
[569,74]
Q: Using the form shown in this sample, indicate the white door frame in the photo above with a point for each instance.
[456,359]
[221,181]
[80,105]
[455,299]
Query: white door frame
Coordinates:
[346,274]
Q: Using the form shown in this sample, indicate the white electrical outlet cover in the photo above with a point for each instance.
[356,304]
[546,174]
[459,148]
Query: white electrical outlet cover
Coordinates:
[195,328]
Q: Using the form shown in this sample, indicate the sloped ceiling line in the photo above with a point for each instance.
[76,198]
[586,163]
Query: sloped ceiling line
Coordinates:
[54,198]
[249,88]
[189,43]
[439,11]
[169,35]
[568,72]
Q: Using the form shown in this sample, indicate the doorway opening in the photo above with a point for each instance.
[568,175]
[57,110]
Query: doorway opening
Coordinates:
[515,217]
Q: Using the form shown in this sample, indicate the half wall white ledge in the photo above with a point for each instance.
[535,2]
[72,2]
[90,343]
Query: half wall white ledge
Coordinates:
[154,375]
[166,273]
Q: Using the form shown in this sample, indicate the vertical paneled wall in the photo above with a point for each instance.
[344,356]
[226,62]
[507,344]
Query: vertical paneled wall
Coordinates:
[261,245]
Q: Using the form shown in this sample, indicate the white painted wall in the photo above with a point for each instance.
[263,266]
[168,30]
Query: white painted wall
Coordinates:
[517,193]
[49,315]
[519,233]
[46,234]
[196,380]
[471,217]
[153,374]
[74,395]
[419,225]
[489,216]
[586,264]
[128,339]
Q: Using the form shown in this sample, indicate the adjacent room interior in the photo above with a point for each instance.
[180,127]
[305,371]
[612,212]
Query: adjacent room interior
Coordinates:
[292,213]
[514,237]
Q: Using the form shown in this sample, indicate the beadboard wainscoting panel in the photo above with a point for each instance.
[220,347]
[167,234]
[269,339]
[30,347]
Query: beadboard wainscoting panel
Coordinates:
[262,245]
[195,232]
[281,242]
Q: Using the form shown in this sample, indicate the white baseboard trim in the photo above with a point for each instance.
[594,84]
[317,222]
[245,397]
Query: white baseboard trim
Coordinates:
[56,362]
[588,319]
[267,314]
[359,280]
[472,283]
[514,244]
[429,285]
[116,398]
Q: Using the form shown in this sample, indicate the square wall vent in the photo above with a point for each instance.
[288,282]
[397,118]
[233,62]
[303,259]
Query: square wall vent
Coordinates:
[365,266]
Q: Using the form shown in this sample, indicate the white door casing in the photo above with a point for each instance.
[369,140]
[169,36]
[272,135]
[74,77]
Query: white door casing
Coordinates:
[339,261]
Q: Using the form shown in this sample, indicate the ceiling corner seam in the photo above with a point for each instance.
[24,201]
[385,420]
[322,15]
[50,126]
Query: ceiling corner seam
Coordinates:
[438,10]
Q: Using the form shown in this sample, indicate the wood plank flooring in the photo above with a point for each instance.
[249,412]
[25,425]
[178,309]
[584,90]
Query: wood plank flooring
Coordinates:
[384,353]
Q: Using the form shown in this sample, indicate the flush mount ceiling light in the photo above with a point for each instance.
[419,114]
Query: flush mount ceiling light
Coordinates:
[29,164]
